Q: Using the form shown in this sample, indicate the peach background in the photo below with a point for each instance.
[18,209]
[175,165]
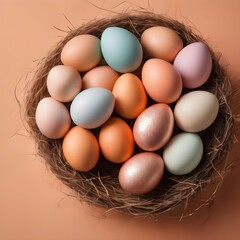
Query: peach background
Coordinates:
[32,202]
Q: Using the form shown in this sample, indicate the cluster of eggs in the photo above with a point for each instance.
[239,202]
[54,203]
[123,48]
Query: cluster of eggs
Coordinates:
[108,75]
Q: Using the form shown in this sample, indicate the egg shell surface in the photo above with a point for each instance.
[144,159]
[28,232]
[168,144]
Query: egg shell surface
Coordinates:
[196,111]
[141,173]
[92,107]
[52,118]
[80,148]
[130,96]
[183,153]
[194,63]
[121,49]
[116,140]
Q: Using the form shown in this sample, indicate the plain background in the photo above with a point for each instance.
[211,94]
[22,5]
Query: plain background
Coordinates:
[33,203]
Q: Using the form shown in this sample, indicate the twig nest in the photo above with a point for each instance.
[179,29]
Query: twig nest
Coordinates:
[137,118]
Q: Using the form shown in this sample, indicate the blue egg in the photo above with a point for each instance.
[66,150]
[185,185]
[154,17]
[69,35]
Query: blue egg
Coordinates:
[121,49]
[92,107]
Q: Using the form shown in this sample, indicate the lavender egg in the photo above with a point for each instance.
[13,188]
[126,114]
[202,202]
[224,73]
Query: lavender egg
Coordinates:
[153,127]
[141,173]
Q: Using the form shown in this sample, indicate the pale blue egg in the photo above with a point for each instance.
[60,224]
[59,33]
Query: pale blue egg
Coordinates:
[92,107]
[121,49]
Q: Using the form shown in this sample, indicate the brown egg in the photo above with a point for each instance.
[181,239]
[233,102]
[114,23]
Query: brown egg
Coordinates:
[80,148]
[141,173]
[82,52]
[153,127]
[116,140]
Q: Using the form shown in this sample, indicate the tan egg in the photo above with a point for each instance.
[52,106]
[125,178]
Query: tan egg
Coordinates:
[63,83]
[130,96]
[82,52]
[116,140]
[161,42]
[102,76]
[80,148]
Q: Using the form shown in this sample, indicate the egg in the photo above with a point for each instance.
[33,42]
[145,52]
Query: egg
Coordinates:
[130,96]
[194,63]
[82,52]
[141,173]
[81,149]
[101,76]
[183,153]
[153,127]
[196,111]
[52,118]
[161,42]
[63,83]
[116,140]
[92,107]
[161,81]
[121,49]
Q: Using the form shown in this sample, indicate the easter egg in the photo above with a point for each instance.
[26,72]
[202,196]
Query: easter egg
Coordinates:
[92,107]
[121,49]
[116,140]
[80,148]
[153,127]
[161,42]
[194,63]
[141,173]
[82,52]
[130,96]
[52,118]
[63,83]
[161,81]
[183,153]
[196,111]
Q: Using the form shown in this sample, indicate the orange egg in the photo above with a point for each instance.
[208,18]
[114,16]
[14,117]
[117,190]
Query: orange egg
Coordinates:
[161,81]
[81,149]
[116,140]
[102,76]
[130,96]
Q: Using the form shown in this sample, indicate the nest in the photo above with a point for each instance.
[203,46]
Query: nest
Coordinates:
[100,186]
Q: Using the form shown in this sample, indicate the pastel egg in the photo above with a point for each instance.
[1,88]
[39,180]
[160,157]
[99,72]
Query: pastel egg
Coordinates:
[82,52]
[92,107]
[183,153]
[102,76]
[130,96]
[116,140]
[121,49]
[80,148]
[63,83]
[52,118]
[153,127]
[161,42]
[194,63]
[161,81]
[141,173]
[196,111]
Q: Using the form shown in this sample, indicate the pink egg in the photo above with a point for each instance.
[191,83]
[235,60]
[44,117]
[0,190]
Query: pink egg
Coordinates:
[194,63]
[153,127]
[141,173]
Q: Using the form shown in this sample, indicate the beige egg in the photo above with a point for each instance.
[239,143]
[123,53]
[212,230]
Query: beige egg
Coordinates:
[63,83]
[82,52]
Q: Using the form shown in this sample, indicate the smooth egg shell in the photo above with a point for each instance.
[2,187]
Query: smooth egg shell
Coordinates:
[161,81]
[196,111]
[130,96]
[183,153]
[141,173]
[116,140]
[52,118]
[80,148]
[153,127]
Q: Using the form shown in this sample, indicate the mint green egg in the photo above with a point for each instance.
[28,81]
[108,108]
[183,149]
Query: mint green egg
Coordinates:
[121,49]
